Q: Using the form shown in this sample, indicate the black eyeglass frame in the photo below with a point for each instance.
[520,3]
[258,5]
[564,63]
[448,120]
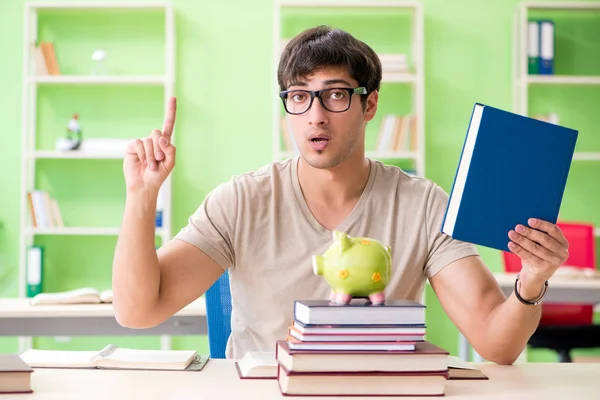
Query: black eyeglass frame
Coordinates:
[361,90]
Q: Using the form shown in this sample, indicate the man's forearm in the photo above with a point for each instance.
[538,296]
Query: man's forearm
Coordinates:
[509,326]
[136,273]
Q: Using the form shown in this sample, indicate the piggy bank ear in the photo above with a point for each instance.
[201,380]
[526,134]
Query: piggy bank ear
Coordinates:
[389,249]
[345,242]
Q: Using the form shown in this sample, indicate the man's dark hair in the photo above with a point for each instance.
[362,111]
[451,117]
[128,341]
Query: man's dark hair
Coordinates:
[323,46]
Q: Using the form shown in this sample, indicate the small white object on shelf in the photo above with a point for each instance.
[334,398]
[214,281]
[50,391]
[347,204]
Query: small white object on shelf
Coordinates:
[98,56]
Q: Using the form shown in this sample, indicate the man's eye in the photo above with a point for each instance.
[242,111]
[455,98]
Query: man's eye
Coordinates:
[336,95]
[299,97]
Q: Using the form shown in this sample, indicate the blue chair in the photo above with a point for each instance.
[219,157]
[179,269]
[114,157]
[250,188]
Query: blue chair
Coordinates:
[218,315]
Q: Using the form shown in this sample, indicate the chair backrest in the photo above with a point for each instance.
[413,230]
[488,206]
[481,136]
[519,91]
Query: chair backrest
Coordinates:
[582,254]
[218,315]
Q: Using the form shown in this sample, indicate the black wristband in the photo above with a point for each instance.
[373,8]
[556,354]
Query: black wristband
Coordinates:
[534,302]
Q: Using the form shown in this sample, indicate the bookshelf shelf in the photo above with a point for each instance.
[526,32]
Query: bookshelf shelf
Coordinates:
[50,154]
[39,26]
[94,80]
[582,5]
[562,80]
[81,231]
[393,75]
[348,4]
[582,156]
[99,5]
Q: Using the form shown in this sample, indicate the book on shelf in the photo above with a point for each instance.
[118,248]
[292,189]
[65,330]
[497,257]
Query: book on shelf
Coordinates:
[359,312]
[512,168]
[541,46]
[86,295]
[393,62]
[44,211]
[44,58]
[550,117]
[15,374]
[115,357]
[397,133]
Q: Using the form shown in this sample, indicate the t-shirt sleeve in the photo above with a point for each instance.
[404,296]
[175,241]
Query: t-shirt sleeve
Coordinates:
[442,249]
[211,227]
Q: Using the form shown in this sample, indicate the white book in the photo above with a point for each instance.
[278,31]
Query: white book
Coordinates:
[114,357]
[86,295]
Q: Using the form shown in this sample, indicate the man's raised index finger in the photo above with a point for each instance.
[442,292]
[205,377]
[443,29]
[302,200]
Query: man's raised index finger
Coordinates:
[170,118]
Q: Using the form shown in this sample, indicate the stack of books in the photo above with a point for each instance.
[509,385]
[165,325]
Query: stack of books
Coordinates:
[360,349]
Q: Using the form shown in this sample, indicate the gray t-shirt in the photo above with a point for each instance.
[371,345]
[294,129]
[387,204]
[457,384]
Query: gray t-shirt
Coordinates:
[259,226]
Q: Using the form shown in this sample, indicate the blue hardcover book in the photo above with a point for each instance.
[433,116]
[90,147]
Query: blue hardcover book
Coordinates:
[512,168]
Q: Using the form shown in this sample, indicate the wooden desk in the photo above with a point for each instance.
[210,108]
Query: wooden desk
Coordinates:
[219,380]
[561,289]
[18,318]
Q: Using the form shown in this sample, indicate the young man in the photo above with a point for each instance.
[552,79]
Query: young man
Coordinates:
[264,226]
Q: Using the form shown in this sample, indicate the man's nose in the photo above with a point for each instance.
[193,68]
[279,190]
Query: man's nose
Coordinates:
[317,115]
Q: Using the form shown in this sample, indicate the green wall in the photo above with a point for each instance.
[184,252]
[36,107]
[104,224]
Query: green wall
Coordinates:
[223,48]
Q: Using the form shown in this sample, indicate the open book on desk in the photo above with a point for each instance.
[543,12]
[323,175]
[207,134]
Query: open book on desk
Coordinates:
[85,295]
[114,357]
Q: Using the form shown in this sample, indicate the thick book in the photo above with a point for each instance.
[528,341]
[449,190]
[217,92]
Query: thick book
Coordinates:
[359,312]
[114,357]
[361,383]
[15,374]
[512,168]
[426,357]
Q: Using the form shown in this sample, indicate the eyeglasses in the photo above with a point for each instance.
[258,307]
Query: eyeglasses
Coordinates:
[332,99]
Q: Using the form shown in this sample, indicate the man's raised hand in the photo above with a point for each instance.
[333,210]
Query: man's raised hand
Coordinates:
[150,160]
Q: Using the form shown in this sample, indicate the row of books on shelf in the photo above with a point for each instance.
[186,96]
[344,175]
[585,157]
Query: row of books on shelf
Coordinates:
[44,58]
[357,349]
[393,62]
[397,133]
[44,211]
[540,46]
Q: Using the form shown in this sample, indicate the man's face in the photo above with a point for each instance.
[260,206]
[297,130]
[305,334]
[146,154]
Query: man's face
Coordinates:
[325,138]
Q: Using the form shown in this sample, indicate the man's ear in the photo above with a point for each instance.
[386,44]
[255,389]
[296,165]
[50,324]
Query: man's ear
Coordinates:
[371,106]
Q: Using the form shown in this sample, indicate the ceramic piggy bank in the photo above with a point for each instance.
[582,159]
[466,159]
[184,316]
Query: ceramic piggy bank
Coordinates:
[355,267]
